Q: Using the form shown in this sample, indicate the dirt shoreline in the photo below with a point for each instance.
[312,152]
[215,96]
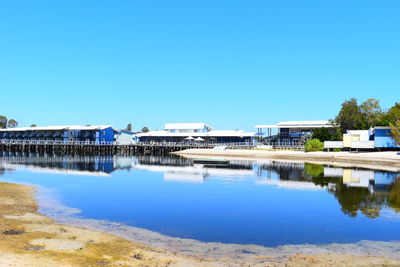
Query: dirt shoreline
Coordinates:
[382,159]
[28,238]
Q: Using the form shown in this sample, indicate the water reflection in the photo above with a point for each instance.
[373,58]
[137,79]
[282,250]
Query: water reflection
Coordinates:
[357,190]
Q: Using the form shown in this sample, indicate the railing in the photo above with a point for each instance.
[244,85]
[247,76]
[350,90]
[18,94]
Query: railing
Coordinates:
[363,144]
[191,144]
[54,142]
[353,144]
[279,146]
[333,144]
[197,144]
[143,144]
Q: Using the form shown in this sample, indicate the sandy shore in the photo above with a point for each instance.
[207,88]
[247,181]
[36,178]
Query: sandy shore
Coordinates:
[27,238]
[385,159]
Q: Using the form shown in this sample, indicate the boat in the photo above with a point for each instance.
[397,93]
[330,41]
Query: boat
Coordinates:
[211,161]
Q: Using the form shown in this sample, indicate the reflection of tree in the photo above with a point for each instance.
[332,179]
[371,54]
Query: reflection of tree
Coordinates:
[352,199]
[394,195]
[314,170]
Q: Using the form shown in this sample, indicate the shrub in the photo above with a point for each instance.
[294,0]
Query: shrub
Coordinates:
[314,145]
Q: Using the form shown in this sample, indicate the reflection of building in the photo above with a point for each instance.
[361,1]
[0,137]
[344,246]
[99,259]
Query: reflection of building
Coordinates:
[293,185]
[282,170]
[358,178]
[287,175]
[194,173]
[72,165]
[373,180]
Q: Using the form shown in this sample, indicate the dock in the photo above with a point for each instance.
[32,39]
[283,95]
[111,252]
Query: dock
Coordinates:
[108,147]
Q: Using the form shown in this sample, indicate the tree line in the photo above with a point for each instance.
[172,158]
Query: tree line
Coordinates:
[10,123]
[7,123]
[355,116]
[145,129]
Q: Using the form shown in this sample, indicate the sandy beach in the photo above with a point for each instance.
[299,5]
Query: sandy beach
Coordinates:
[27,238]
[384,159]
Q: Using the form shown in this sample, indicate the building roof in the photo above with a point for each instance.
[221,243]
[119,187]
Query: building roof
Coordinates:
[298,124]
[381,127]
[366,132]
[127,131]
[266,126]
[216,133]
[185,126]
[57,128]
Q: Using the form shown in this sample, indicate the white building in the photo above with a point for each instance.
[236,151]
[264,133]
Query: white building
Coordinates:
[290,132]
[195,132]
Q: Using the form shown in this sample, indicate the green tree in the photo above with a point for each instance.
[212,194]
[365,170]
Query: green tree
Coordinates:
[321,134]
[391,116]
[145,129]
[371,112]
[129,127]
[360,117]
[394,113]
[12,123]
[3,122]
[350,116]
[314,145]
[327,134]
[395,127]
[33,125]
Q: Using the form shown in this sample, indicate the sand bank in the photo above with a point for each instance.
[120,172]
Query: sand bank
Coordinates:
[27,238]
[385,159]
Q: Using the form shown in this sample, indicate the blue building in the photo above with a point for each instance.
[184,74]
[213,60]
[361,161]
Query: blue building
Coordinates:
[82,133]
[383,137]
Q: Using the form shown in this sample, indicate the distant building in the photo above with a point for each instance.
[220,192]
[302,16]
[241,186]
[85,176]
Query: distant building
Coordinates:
[360,136]
[187,128]
[383,137]
[195,132]
[376,138]
[290,132]
[125,137]
[92,133]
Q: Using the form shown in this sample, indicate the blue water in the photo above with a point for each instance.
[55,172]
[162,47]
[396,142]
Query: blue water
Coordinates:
[267,203]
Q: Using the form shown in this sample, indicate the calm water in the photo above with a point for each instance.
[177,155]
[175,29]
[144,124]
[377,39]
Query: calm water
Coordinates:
[265,203]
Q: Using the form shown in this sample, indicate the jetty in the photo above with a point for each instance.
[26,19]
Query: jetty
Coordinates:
[109,147]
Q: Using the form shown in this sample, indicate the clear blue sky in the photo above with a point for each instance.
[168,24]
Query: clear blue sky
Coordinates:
[232,64]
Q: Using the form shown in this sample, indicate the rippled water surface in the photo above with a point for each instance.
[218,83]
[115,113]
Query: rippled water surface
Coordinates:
[246,202]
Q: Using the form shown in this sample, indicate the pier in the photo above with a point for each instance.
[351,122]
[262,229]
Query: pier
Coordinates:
[108,147]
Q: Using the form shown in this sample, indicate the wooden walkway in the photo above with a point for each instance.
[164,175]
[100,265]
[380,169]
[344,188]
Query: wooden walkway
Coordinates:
[105,148]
